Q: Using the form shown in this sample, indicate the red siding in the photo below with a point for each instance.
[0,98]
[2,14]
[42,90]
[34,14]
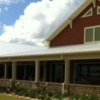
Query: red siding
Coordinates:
[75,35]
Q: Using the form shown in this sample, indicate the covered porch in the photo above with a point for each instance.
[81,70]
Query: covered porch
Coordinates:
[37,71]
[77,73]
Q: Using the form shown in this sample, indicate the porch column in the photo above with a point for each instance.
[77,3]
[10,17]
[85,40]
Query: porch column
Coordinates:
[5,73]
[44,73]
[37,71]
[13,70]
[67,71]
[24,78]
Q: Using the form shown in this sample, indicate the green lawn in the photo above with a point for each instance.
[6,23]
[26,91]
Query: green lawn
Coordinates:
[7,97]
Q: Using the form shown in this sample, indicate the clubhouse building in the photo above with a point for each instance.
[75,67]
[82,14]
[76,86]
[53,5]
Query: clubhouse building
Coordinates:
[71,63]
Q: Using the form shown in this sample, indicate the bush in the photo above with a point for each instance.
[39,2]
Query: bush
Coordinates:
[83,97]
[94,98]
[3,89]
[59,96]
[73,97]
[33,93]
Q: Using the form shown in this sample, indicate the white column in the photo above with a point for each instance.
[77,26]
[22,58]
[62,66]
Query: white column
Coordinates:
[24,73]
[67,71]
[5,73]
[50,72]
[13,70]
[44,73]
[37,71]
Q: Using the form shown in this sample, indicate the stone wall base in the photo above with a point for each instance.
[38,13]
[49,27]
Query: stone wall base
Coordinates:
[50,87]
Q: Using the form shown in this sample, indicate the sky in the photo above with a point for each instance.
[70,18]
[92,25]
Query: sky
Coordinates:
[31,21]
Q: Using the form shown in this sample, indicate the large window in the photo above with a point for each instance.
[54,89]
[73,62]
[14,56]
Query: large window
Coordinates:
[92,34]
[85,72]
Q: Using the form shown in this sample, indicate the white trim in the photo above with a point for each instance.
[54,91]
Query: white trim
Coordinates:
[93,34]
[85,15]
[98,10]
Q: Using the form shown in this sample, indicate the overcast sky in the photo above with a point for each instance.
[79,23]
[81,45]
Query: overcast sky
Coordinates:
[31,21]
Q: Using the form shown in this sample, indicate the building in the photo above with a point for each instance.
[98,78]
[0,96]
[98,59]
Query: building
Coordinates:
[73,56]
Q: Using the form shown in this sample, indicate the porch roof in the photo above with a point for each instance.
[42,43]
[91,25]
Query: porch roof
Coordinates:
[14,48]
[73,49]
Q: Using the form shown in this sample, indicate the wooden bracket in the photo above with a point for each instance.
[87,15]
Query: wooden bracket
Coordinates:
[94,3]
[70,23]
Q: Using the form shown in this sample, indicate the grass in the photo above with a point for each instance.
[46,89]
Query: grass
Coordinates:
[8,97]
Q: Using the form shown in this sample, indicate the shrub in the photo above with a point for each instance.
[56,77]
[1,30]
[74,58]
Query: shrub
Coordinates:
[84,97]
[73,97]
[94,98]
[3,89]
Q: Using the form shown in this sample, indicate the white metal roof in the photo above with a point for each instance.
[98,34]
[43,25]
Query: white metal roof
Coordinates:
[82,48]
[12,48]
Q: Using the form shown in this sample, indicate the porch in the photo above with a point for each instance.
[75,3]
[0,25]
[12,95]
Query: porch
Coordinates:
[37,71]
[62,76]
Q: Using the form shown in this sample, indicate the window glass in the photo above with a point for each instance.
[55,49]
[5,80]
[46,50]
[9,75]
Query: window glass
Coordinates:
[97,33]
[89,35]
[98,10]
[88,13]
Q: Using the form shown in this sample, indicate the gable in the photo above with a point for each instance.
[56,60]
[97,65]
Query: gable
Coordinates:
[70,22]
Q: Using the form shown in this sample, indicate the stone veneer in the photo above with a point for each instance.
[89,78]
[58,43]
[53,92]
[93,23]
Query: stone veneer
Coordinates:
[44,86]
[77,89]
[88,90]
[4,82]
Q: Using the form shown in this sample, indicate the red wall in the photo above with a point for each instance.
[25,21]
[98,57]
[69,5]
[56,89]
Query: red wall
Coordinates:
[75,35]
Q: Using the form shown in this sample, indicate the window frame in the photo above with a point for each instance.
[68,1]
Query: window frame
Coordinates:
[98,7]
[95,33]
[94,41]
[85,14]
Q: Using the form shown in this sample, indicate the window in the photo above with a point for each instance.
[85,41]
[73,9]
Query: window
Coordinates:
[92,34]
[88,13]
[98,10]
[85,72]
[97,33]
[89,35]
